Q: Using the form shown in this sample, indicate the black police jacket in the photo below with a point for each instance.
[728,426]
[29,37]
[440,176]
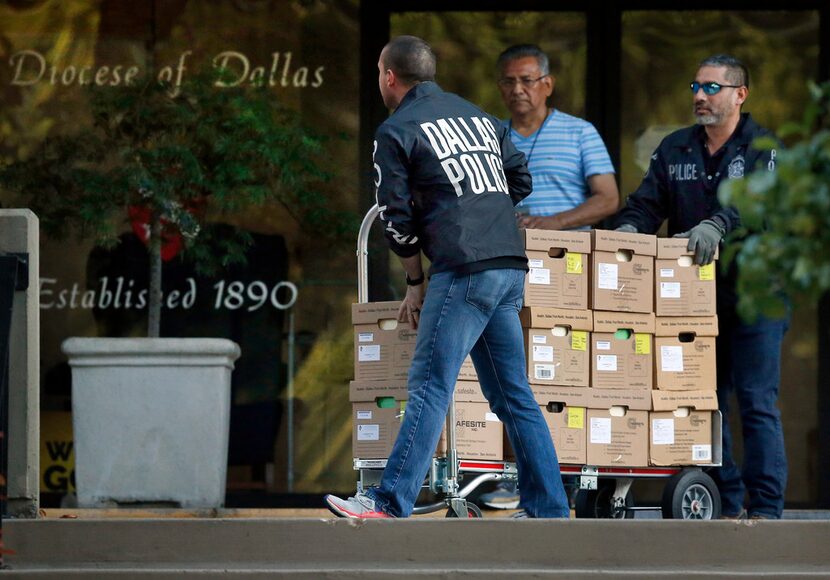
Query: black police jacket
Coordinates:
[681,185]
[447,177]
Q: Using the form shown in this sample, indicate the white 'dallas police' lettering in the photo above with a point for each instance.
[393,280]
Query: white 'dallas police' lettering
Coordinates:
[771,163]
[378,176]
[399,237]
[683,172]
[736,167]
[465,155]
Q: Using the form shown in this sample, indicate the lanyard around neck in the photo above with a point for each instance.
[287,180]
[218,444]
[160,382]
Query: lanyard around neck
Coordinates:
[538,132]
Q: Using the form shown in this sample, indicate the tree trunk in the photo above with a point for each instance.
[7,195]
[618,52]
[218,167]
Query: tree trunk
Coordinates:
[154,307]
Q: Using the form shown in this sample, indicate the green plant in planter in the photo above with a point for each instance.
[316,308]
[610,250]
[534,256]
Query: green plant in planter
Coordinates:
[173,165]
[783,248]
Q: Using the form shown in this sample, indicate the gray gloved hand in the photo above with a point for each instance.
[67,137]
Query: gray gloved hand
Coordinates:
[703,240]
[627,228]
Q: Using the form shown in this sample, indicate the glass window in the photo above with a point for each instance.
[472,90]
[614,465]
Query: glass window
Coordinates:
[468,43]
[307,55]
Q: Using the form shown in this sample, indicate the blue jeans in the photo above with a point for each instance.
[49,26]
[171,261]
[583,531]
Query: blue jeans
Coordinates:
[476,314]
[749,364]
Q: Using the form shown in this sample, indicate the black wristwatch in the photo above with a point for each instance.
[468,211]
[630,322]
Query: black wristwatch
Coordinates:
[416,282]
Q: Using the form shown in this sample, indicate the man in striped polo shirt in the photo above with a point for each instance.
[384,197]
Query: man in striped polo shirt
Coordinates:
[573,178]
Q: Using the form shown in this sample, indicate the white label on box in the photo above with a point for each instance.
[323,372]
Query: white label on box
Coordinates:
[662,431]
[536,263]
[666,273]
[365,336]
[601,430]
[364,415]
[607,276]
[368,432]
[671,359]
[603,345]
[488,416]
[542,353]
[607,362]
[543,371]
[539,276]
[701,453]
[669,290]
[540,339]
[368,353]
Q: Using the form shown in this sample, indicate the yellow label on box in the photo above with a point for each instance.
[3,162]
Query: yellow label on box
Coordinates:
[642,343]
[579,340]
[576,417]
[707,272]
[573,263]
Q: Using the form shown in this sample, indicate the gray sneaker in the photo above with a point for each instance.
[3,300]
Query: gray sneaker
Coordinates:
[520,515]
[360,506]
[504,497]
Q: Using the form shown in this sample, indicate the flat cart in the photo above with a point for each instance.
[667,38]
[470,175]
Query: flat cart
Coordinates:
[602,492]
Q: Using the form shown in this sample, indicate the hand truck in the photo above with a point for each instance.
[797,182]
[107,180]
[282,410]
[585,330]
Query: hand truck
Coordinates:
[603,492]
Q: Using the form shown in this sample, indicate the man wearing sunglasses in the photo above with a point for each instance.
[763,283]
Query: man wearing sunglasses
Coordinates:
[681,186]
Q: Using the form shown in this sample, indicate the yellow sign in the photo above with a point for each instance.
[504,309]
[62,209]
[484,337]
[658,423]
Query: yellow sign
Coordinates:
[573,264]
[707,272]
[579,340]
[576,417]
[57,453]
[642,343]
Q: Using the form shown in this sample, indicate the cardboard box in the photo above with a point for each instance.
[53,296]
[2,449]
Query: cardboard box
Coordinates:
[680,428]
[469,391]
[557,346]
[478,432]
[564,409]
[468,371]
[623,271]
[621,351]
[378,409]
[555,394]
[383,346]
[682,288]
[635,399]
[377,412]
[685,357]
[559,269]
[617,437]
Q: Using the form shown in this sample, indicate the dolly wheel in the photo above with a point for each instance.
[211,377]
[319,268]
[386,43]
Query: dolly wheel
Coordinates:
[472,511]
[691,495]
[598,503]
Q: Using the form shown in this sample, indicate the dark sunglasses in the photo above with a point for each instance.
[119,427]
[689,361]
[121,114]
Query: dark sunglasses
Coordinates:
[711,88]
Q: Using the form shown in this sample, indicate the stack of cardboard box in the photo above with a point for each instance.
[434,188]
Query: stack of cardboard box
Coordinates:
[619,334]
[383,353]
[623,363]
[685,366]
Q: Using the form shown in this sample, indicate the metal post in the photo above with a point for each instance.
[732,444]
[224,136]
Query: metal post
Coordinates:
[9,265]
[290,403]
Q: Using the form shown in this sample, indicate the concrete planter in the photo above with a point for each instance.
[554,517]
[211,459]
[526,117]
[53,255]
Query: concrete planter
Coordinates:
[151,419]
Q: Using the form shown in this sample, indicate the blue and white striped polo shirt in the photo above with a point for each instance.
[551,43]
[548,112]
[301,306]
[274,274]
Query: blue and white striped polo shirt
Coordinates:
[562,154]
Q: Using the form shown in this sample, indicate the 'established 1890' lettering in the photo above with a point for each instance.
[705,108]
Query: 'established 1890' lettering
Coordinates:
[465,151]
